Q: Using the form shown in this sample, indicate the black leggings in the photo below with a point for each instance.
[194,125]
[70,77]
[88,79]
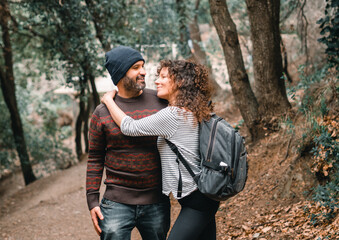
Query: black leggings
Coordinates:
[196,220]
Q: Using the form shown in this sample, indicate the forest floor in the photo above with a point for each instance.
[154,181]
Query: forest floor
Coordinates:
[273,204]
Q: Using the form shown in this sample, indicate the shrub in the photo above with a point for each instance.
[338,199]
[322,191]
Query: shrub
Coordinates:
[44,138]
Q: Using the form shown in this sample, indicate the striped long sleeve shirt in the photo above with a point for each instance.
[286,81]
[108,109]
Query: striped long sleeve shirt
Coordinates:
[179,127]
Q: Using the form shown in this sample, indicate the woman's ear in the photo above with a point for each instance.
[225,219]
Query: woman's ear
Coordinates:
[179,83]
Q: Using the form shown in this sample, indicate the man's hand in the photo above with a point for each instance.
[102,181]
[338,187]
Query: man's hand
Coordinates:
[95,214]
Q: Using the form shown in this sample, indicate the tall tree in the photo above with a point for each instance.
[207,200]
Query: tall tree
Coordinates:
[78,34]
[8,89]
[241,88]
[71,41]
[99,20]
[184,48]
[267,59]
[198,53]
[269,83]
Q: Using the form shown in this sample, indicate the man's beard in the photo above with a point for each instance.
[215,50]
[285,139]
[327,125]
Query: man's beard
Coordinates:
[133,86]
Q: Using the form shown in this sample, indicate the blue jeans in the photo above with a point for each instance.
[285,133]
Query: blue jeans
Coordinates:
[152,220]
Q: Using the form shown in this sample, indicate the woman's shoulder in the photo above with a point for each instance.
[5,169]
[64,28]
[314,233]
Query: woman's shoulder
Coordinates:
[169,113]
[181,114]
[178,110]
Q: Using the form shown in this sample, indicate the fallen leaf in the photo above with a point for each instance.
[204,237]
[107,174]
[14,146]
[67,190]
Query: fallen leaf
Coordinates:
[266,229]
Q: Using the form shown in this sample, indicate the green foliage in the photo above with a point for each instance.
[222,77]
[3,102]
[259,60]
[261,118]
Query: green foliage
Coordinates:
[6,140]
[329,26]
[325,144]
[320,138]
[7,146]
[66,33]
[327,196]
[239,124]
[305,84]
[44,138]
[287,7]
[204,12]
[59,39]
[288,125]
[156,23]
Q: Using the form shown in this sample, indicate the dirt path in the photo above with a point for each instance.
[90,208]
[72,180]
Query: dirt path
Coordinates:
[50,208]
[272,205]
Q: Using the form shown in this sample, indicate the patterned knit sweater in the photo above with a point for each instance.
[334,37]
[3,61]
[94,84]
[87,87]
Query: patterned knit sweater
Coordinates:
[133,172]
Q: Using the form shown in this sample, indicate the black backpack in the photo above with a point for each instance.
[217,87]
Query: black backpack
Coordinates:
[223,160]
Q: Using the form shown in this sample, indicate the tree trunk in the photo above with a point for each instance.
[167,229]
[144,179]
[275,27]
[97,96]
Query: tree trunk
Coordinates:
[285,61]
[183,31]
[80,118]
[8,90]
[94,97]
[267,60]
[87,112]
[95,94]
[241,88]
[86,118]
[97,20]
[199,54]
[89,76]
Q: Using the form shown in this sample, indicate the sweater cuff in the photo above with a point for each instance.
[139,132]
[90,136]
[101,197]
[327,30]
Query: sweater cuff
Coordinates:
[92,200]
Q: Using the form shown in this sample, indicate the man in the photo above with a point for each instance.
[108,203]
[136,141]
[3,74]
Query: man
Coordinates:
[133,195]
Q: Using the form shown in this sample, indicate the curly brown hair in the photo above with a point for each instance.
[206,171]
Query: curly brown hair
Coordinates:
[192,86]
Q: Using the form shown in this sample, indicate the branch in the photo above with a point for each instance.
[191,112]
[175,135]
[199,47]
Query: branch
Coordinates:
[28,28]
[303,25]
[197,3]
[2,75]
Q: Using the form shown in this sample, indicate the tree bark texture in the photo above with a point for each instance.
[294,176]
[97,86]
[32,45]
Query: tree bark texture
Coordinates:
[199,54]
[98,24]
[267,61]
[80,126]
[89,76]
[8,90]
[285,61]
[86,123]
[88,109]
[241,88]
[183,31]
[81,118]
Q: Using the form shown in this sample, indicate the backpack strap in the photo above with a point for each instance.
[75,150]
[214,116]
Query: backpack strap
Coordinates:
[235,156]
[233,167]
[212,137]
[179,191]
[175,149]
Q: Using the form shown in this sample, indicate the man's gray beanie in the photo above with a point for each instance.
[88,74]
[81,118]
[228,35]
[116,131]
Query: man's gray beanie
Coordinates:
[119,60]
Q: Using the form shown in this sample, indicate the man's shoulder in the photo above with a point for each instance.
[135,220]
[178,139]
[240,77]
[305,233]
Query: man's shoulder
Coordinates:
[101,110]
[149,91]
[151,94]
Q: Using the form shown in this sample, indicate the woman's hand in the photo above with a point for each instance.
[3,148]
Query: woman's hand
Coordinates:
[116,113]
[108,96]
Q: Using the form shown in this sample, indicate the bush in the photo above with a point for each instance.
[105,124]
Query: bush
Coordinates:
[320,139]
[44,138]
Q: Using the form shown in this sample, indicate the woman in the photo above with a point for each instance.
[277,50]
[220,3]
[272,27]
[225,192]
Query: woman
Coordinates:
[186,87]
